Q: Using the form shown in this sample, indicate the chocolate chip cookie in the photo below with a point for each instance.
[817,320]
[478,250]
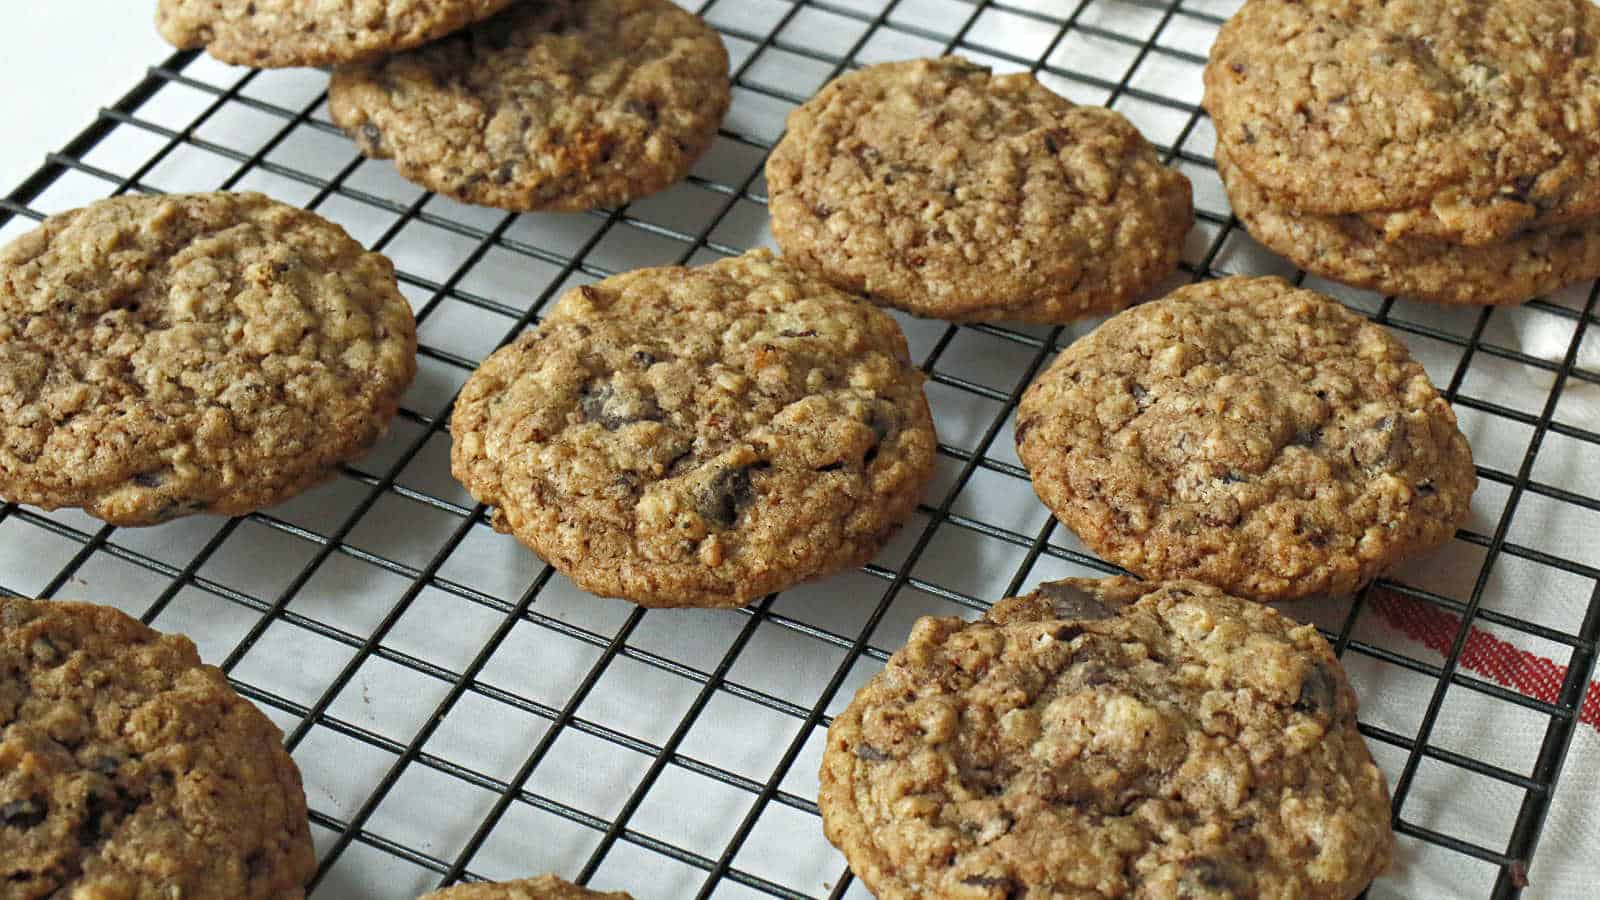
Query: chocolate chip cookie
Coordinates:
[1108,738]
[1466,122]
[279,33]
[161,356]
[942,189]
[545,887]
[699,437]
[552,105]
[128,769]
[1248,434]
[1349,249]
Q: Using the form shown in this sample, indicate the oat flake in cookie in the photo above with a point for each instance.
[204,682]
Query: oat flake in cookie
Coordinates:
[161,356]
[1248,434]
[552,105]
[279,33]
[1108,738]
[699,437]
[942,189]
[128,769]
[545,887]
[1466,122]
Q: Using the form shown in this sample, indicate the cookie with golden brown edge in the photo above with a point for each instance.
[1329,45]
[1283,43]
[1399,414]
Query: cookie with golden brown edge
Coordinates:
[699,437]
[168,355]
[128,769]
[280,33]
[545,887]
[1248,434]
[1108,738]
[1465,122]
[552,105]
[945,190]
[1349,249]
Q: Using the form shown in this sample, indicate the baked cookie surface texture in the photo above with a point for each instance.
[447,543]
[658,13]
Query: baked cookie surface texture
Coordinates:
[128,769]
[942,189]
[1108,738]
[553,105]
[699,437]
[168,355]
[1248,434]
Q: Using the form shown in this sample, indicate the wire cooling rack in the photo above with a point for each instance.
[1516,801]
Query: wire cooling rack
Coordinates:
[461,711]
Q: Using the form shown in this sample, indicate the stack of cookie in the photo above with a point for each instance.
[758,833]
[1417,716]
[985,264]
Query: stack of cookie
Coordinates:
[550,105]
[1445,151]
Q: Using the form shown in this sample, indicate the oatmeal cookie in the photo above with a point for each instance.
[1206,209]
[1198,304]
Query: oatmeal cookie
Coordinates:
[947,191]
[699,437]
[552,105]
[128,769]
[168,355]
[1108,738]
[1248,434]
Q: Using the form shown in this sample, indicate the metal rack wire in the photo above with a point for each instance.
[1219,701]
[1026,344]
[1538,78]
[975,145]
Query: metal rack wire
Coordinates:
[461,711]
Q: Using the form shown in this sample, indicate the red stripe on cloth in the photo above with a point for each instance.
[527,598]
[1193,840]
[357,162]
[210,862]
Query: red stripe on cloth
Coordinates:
[1502,661]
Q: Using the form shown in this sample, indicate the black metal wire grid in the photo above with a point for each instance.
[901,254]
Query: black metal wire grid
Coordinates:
[519,726]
